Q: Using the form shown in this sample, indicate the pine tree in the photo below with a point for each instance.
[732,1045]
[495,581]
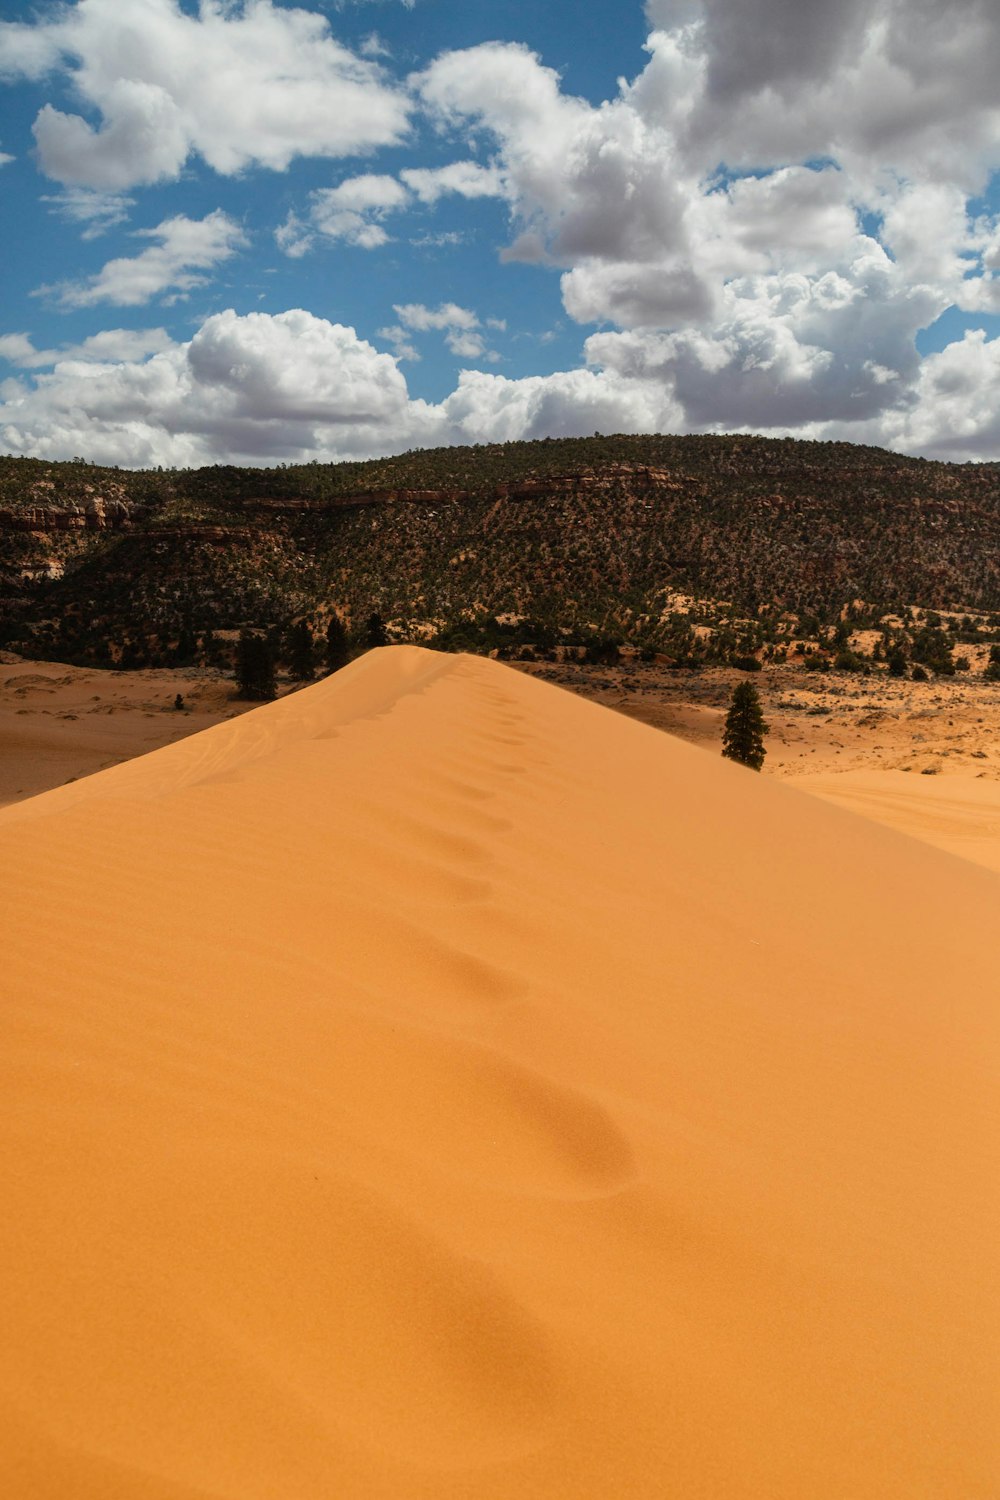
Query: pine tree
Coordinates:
[375,632]
[338,651]
[255,667]
[743,736]
[301,647]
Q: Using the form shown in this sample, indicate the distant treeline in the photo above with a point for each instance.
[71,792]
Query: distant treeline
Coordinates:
[690,548]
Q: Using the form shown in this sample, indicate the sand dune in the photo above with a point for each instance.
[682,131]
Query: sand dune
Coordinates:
[960,814]
[434,1086]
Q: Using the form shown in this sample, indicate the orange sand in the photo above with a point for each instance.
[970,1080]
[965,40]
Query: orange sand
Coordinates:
[435,1087]
[958,813]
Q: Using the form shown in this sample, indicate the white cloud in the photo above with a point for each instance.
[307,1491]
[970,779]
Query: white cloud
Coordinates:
[18,349]
[373,46]
[438,241]
[582,181]
[186,248]
[97,211]
[111,346]
[263,388]
[448,315]
[354,212]
[789,287]
[293,386]
[458,324]
[787,349]
[467,179]
[253,388]
[954,413]
[26,50]
[402,345]
[571,403]
[5,157]
[246,82]
[294,237]
[466,345]
[981,292]
[781,291]
[351,213]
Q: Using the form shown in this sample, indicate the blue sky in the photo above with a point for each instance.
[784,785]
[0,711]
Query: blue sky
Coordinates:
[252,231]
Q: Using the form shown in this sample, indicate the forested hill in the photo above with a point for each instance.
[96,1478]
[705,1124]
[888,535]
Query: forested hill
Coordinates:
[576,536]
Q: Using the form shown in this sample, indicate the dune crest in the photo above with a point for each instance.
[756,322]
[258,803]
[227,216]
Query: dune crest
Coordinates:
[433,1085]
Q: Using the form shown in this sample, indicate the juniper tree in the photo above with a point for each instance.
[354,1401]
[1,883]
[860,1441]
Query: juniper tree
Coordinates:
[301,651]
[338,652]
[255,667]
[743,735]
[375,632]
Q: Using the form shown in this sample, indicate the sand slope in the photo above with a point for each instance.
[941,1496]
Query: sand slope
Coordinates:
[958,813]
[433,1086]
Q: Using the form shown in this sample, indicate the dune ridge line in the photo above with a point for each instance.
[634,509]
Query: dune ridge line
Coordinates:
[432,1085]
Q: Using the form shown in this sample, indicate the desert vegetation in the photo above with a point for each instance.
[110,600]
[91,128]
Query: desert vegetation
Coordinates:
[690,551]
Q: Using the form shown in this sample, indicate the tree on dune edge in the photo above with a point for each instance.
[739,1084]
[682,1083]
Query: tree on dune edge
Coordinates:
[338,650]
[743,735]
[255,668]
[375,632]
[301,651]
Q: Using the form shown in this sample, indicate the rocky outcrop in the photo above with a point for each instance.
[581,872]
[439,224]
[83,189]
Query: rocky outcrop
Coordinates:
[639,476]
[95,514]
[197,531]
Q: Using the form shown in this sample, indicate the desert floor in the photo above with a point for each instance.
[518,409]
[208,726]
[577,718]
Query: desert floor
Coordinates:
[432,1086]
[921,757]
[58,723]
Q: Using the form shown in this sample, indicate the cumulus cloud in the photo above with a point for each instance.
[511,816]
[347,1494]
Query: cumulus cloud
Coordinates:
[788,284]
[186,248]
[245,82]
[252,388]
[458,324]
[295,387]
[468,345]
[351,213]
[868,81]
[571,403]
[752,230]
[582,181]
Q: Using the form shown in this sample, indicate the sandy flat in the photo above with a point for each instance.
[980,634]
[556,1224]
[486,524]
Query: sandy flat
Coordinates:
[434,1086]
[58,722]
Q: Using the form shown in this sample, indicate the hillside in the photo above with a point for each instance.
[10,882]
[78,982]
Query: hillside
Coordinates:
[693,546]
[442,1136]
